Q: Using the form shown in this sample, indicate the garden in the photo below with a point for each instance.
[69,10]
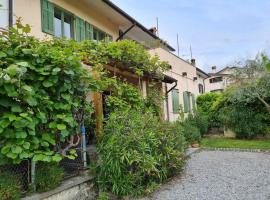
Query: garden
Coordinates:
[43,104]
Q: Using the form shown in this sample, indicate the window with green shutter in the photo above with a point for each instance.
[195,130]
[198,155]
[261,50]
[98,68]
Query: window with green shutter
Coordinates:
[186,97]
[175,100]
[88,31]
[80,29]
[47,15]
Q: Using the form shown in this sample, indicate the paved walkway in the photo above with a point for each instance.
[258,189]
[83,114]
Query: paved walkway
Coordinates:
[218,175]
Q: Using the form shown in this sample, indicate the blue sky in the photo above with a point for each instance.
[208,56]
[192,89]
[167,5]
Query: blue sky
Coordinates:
[219,31]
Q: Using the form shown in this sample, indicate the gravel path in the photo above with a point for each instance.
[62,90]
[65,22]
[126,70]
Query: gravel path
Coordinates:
[218,175]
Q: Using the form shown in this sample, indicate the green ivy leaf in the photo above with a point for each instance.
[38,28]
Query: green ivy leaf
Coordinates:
[27,88]
[27,51]
[23,64]
[5,149]
[12,70]
[56,70]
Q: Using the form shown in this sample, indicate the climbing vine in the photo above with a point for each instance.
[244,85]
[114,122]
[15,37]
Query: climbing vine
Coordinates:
[43,88]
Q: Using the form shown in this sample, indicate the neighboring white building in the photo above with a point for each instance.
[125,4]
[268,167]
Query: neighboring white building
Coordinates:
[219,81]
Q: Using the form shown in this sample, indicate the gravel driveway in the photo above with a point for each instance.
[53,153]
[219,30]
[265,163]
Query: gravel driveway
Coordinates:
[216,175]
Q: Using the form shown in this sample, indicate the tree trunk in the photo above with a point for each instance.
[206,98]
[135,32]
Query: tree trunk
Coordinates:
[265,103]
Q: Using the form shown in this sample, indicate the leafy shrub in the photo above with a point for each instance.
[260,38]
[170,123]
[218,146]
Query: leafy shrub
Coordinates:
[201,122]
[245,121]
[48,176]
[136,151]
[191,132]
[9,186]
[206,108]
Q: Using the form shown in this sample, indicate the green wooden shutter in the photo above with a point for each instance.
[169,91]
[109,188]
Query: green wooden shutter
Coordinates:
[193,102]
[47,14]
[186,102]
[89,31]
[175,100]
[80,29]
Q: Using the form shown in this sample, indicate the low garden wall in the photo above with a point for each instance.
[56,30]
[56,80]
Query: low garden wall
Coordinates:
[80,187]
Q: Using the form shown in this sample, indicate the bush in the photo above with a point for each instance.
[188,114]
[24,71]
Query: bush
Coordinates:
[191,132]
[9,186]
[138,150]
[206,108]
[48,176]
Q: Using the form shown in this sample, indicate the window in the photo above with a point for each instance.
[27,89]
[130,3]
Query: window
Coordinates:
[175,100]
[215,80]
[186,96]
[63,24]
[201,89]
[60,23]
[4,14]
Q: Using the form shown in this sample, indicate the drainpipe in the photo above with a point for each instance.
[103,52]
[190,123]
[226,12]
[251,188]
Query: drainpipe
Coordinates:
[167,102]
[84,145]
[10,13]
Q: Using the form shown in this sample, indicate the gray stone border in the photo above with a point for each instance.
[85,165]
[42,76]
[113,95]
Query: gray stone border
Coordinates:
[235,149]
[67,184]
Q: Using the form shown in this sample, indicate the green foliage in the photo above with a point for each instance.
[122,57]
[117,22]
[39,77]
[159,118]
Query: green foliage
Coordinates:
[48,176]
[42,87]
[136,151]
[103,196]
[191,131]
[9,186]
[206,108]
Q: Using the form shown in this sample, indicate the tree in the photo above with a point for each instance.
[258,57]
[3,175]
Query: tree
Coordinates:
[252,83]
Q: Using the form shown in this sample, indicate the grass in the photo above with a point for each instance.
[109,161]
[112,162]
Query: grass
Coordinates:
[235,143]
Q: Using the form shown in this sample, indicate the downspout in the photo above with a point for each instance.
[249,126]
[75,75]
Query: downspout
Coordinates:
[167,102]
[10,13]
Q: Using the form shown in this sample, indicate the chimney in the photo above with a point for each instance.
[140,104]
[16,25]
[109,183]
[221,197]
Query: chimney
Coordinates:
[193,62]
[153,30]
[214,69]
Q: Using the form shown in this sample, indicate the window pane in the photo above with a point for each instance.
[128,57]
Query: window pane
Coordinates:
[4,14]
[67,26]
[95,35]
[57,23]
[101,35]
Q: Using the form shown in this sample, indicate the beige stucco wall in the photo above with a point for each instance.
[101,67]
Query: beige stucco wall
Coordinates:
[30,11]
[184,83]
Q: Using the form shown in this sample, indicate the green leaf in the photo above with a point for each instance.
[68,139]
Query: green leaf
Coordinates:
[16,109]
[61,127]
[3,54]
[11,117]
[5,102]
[39,157]
[5,149]
[23,64]
[12,155]
[4,123]
[27,88]
[11,91]
[26,145]
[57,158]
[27,51]
[21,134]
[20,123]
[47,83]
[12,70]
[30,100]
[49,138]
[42,117]
[16,149]
[56,70]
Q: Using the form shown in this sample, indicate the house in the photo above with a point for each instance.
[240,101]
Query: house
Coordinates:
[99,20]
[218,81]
[190,83]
